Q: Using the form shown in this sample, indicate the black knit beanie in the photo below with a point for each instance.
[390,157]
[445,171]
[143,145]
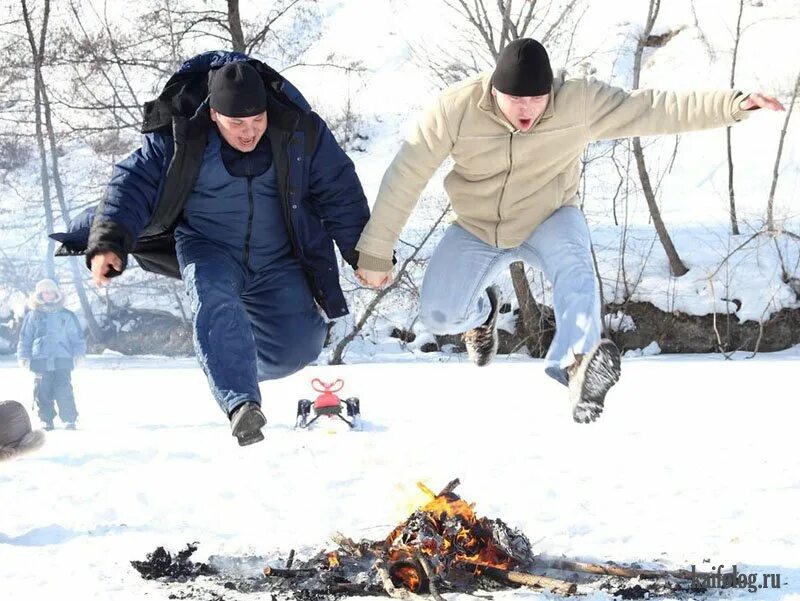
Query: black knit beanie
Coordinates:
[523,69]
[237,90]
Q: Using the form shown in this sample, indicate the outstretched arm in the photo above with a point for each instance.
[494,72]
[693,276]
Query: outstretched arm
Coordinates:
[612,112]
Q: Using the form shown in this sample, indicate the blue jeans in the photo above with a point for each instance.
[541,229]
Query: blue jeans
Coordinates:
[454,300]
[248,326]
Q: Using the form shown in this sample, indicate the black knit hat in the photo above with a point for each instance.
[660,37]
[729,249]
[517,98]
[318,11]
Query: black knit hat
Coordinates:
[523,69]
[237,90]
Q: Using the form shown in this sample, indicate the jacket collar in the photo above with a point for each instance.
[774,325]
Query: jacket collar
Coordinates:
[280,115]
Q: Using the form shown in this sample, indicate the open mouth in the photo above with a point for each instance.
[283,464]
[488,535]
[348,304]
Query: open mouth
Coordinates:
[525,123]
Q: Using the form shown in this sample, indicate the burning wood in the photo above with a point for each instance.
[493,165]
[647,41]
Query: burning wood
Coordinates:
[443,546]
[442,538]
[446,529]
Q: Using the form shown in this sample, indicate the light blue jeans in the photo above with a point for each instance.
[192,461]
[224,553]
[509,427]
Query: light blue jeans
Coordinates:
[454,300]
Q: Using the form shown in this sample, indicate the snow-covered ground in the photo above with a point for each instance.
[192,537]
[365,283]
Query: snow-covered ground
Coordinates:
[694,459]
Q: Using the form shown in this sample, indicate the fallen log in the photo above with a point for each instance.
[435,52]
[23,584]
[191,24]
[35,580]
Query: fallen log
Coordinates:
[554,585]
[612,569]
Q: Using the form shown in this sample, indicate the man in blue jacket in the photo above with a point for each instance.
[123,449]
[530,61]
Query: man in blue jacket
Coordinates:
[51,343]
[253,189]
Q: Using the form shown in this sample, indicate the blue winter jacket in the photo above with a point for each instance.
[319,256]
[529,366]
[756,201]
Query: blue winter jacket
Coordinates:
[321,196]
[50,338]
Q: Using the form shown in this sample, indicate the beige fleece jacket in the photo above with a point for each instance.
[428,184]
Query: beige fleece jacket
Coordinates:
[504,183]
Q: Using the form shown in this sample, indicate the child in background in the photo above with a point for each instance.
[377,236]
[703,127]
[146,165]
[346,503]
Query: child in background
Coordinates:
[51,344]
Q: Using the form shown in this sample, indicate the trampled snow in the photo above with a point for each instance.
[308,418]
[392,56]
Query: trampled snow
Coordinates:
[695,460]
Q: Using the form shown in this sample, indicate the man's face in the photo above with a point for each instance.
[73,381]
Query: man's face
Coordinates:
[243,133]
[49,296]
[521,111]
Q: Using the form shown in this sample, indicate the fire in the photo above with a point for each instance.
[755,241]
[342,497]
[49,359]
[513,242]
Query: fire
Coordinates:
[445,530]
[409,576]
[333,559]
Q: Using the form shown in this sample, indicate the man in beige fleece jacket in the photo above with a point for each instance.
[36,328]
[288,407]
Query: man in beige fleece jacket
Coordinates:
[516,136]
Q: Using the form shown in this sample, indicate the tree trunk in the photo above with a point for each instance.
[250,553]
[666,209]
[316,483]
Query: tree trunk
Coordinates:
[77,275]
[675,264]
[235,26]
[38,54]
[771,199]
[530,316]
[731,195]
[42,105]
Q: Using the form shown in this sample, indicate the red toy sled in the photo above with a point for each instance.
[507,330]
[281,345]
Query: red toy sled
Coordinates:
[329,405]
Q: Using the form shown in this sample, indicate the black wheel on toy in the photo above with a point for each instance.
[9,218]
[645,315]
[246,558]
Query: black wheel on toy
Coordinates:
[353,406]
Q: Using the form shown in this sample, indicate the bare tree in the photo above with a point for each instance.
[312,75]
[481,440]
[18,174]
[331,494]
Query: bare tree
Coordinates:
[731,195]
[504,21]
[222,20]
[677,267]
[488,27]
[37,52]
[42,106]
[77,273]
[770,224]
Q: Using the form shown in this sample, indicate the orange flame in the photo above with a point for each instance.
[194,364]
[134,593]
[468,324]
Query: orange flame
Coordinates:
[333,559]
[426,490]
[472,542]
[409,576]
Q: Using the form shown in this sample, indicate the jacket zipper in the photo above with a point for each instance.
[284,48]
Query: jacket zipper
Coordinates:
[287,211]
[503,189]
[249,215]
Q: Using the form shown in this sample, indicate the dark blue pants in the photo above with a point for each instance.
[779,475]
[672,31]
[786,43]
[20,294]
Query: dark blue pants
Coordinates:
[248,326]
[55,386]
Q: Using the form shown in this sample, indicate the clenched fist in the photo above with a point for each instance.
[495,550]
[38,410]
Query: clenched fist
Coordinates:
[102,263]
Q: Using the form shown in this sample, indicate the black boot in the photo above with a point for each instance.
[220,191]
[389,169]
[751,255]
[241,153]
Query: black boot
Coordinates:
[481,342]
[246,423]
[590,378]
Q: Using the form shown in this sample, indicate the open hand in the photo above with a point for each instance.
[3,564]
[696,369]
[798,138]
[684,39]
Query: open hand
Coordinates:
[759,100]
